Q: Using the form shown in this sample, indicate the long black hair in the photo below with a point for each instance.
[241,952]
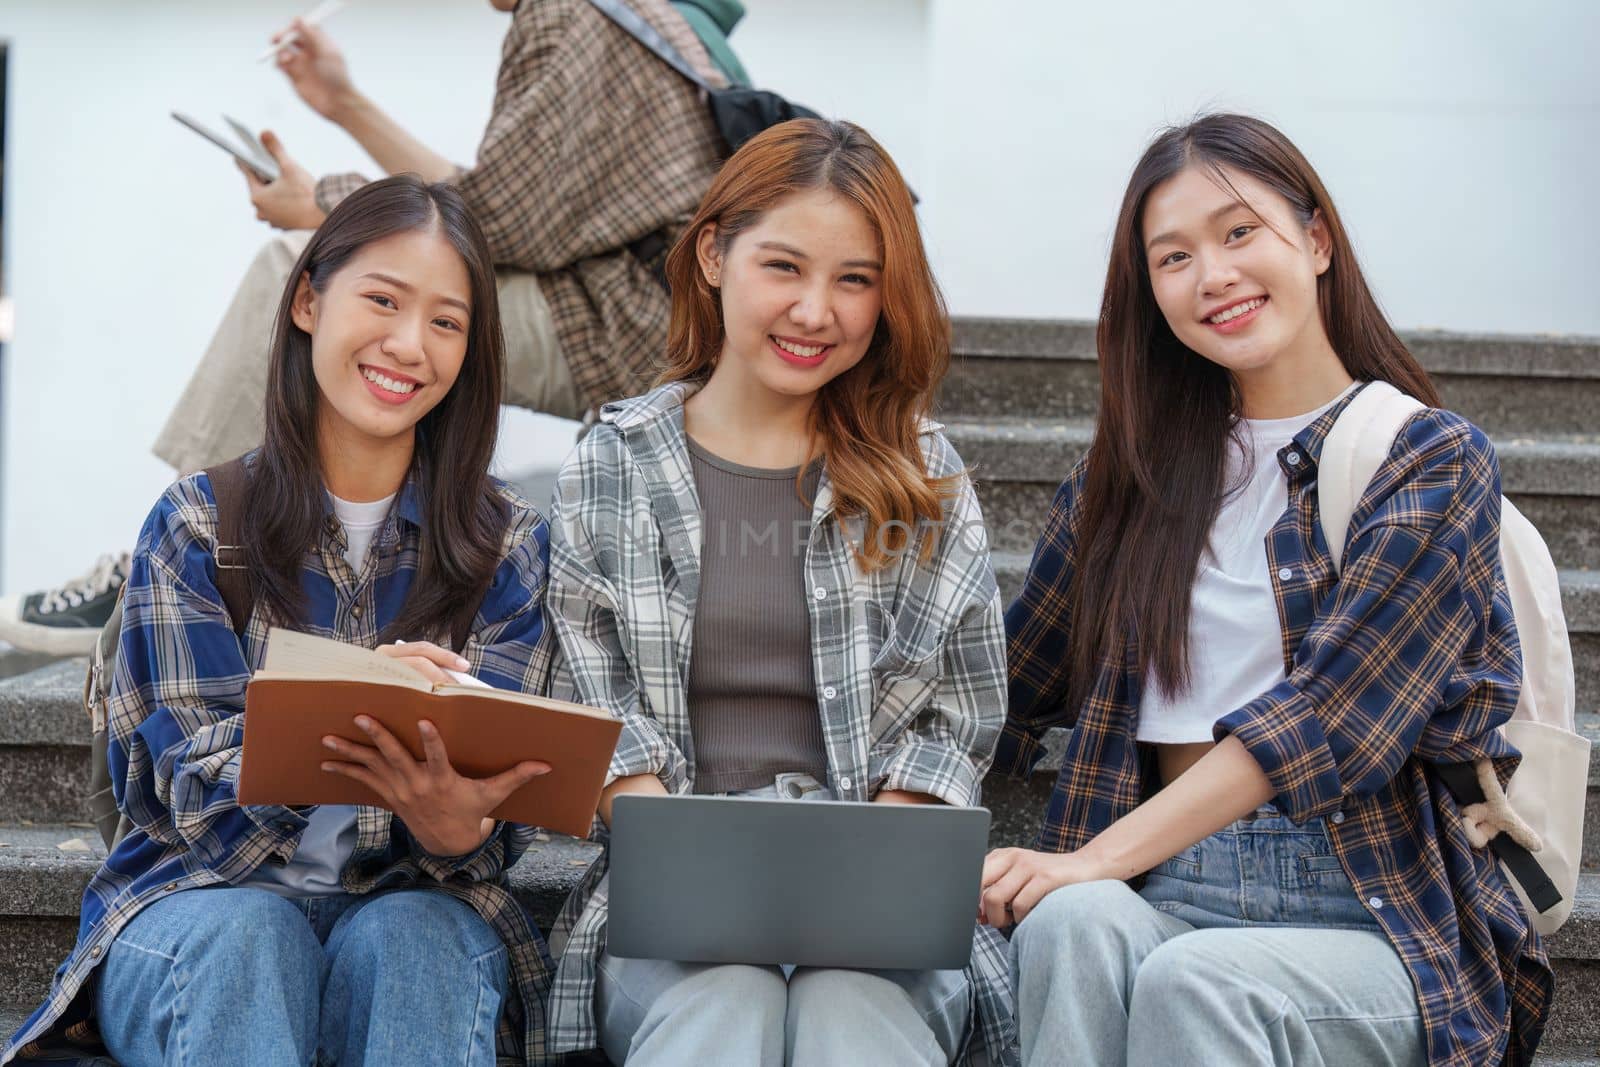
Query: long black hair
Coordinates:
[464,519]
[1155,472]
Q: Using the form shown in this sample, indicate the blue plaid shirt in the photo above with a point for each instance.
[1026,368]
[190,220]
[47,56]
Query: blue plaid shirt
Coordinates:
[1407,660]
[175,732]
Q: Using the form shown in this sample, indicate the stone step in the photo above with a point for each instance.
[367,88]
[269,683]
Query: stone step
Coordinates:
[44,734]
[1502,382]
[12,1017]
[41,885]
[44,745]
[1018,465]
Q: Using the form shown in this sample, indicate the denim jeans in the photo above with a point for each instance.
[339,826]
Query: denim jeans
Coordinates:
[669,1013]
[244,976]
[1250,947]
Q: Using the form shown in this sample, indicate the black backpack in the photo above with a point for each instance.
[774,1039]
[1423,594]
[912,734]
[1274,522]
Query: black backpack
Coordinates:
[228,483]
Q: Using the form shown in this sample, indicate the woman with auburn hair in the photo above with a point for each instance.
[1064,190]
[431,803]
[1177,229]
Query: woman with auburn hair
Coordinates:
[1256,733]
[772,569]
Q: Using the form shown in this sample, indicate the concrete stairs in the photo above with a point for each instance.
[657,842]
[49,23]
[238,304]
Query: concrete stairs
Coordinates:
[1019,406]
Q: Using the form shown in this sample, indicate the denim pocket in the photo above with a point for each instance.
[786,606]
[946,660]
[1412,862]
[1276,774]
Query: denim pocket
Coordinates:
[1315,888]
[1185,865]
[1314,864]
[1306,863]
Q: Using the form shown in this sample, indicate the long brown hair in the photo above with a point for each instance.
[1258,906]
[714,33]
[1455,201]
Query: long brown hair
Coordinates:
[464,519]
[1154,478]
[867,420]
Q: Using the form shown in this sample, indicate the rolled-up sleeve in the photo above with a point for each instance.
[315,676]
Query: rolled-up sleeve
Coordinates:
[1393,647]
[950,741]
[592,542]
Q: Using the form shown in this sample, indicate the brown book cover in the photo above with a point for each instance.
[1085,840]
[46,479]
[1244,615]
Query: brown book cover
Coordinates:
[307,690]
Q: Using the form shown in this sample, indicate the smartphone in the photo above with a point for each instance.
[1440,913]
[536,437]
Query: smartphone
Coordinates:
[253,154]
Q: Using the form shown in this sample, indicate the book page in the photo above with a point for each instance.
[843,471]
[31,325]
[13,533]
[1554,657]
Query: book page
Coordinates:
[291,654]
[531,699]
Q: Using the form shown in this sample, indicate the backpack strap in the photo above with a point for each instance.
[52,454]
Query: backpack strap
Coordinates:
[1462,781]
[1356,446]
[635,26]
[1360,440]
[228,484]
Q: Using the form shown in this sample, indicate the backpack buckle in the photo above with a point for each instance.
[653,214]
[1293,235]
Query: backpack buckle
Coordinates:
[230,557]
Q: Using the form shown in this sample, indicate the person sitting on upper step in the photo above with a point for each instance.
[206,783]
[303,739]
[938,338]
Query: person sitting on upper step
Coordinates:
[595,154]
[772,567]
[1255,734]
[224,934]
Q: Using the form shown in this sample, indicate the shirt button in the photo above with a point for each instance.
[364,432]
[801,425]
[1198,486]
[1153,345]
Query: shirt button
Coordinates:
[1336,818]
[1293,459]
[95,951]
[171,886]
[1284,574]
[1376,902]
[356,611]
[820,593]
[829,692]
[844,784]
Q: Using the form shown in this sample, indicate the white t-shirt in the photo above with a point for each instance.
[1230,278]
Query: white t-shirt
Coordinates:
[330,834]
[1235,642]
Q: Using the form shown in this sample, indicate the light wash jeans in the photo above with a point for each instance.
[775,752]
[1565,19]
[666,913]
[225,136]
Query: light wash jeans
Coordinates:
[1248,948]
[247,977]
[674,1014]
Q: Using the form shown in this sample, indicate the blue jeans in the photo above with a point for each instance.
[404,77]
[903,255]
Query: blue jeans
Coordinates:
[244,976]
[1250,947]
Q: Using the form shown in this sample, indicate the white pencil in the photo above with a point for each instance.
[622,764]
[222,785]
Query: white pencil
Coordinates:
[312,18]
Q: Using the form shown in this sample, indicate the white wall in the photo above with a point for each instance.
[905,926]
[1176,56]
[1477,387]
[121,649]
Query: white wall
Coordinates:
[1457,137]
[125,234]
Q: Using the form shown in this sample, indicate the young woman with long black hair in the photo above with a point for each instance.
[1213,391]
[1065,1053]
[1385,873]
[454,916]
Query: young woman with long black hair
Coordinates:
[224,934]
[1253,733]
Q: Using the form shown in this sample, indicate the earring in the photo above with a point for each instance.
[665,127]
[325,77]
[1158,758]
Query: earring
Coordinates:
[714,278]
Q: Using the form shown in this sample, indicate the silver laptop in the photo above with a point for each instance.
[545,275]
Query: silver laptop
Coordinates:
[831,884]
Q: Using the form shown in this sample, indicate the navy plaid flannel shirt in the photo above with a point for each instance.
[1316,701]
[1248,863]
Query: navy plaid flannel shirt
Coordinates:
[1407,660]
[175,735]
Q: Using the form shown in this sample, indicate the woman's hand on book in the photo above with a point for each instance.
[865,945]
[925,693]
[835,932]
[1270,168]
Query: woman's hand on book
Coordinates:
[427,659]
[447,814]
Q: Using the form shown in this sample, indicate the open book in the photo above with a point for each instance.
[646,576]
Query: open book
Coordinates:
[309,687]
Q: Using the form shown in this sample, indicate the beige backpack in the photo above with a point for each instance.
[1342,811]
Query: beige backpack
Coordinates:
[1541,810]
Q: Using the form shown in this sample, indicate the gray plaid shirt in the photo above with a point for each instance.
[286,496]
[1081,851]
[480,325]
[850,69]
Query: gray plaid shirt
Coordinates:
[909,660]
[593,143]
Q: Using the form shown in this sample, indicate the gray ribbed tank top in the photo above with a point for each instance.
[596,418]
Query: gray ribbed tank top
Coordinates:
[752,694]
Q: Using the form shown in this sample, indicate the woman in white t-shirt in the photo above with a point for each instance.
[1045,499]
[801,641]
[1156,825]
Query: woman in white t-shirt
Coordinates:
[1249,856]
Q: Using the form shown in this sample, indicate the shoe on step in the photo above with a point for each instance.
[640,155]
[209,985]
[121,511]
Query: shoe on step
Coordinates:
[65,621]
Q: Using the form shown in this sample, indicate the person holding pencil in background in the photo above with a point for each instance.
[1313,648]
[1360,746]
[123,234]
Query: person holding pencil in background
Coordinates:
[594,157]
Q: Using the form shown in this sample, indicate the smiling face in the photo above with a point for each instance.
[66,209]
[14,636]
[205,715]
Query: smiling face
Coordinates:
[800,290]
[1236,281]
[388,337]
